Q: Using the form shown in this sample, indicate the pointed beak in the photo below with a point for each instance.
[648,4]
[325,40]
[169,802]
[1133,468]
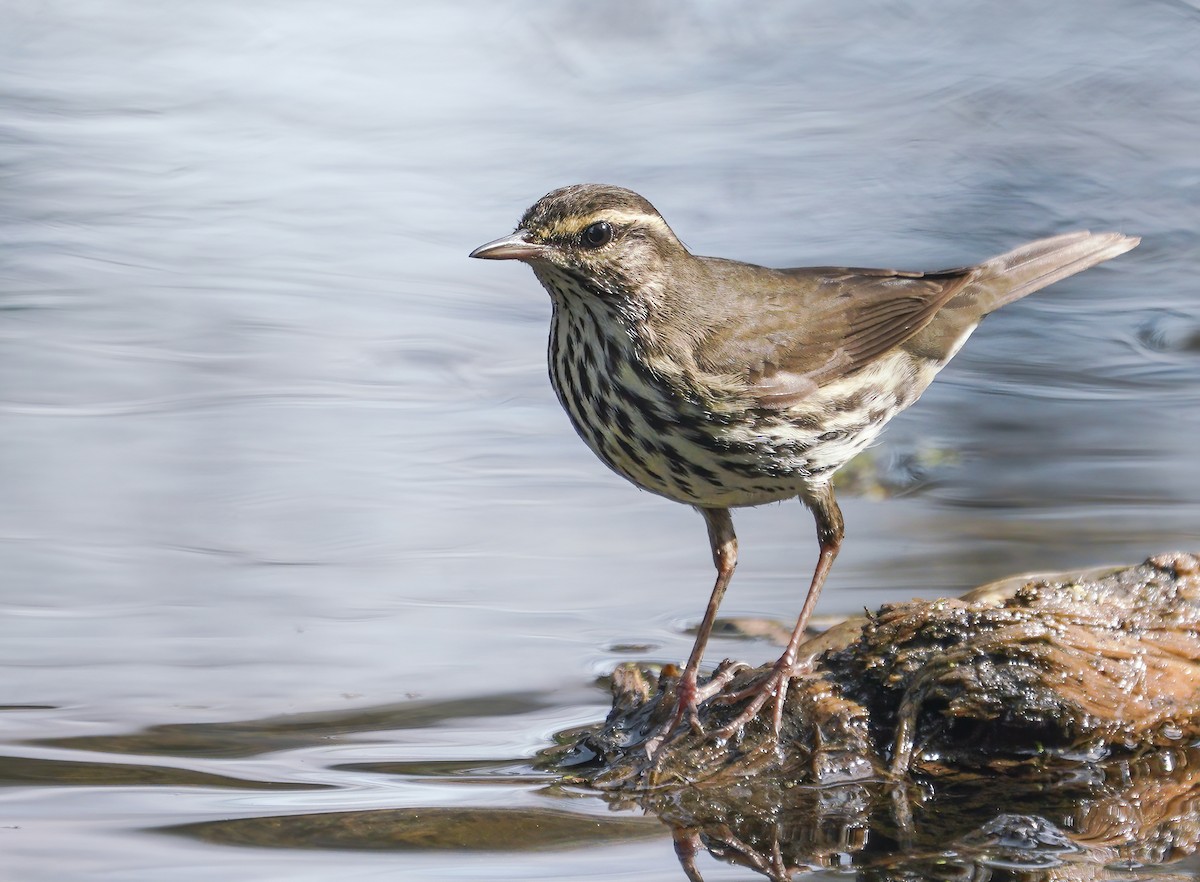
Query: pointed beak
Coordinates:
[514,247]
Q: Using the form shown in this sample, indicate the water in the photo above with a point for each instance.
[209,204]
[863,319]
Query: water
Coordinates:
[287,499]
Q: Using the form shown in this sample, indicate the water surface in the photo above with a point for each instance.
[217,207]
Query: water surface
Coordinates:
[286,497]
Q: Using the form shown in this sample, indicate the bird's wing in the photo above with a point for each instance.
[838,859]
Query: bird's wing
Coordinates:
[812,325]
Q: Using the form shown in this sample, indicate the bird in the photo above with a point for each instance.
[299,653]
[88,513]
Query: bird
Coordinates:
[721,384]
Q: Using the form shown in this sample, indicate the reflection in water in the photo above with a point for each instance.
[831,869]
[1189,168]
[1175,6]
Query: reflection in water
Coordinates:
[27,770]
[1052,819]
[255,737]
[1059,823]
[428,828]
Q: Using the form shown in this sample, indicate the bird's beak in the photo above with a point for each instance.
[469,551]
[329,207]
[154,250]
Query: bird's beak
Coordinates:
[514,247]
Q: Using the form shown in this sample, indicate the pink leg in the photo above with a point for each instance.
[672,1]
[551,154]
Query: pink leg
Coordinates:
[830,530]
[724,551]
[687,846]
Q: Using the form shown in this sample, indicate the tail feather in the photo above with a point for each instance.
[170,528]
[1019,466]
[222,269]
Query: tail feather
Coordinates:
[1026,269]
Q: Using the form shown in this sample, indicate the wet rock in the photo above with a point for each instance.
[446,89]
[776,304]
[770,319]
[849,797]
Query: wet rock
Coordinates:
[1079,665]
[1039,723]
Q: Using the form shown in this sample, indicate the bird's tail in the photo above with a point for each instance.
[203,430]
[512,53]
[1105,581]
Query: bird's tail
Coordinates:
[1030,267]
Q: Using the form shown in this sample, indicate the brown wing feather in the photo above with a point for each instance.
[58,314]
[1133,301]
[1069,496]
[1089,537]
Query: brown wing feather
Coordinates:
[823,323]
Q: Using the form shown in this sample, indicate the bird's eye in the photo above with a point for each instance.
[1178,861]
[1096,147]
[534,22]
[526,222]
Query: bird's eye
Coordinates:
[596,235]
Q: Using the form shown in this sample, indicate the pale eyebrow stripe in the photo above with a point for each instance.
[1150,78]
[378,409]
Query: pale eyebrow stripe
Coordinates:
[618,217]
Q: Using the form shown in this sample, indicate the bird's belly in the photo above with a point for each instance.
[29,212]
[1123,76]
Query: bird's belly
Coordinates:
[711,456]
[699,456]
[712,464]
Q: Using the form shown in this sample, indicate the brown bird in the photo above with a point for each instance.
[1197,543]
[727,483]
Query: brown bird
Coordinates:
[722,384]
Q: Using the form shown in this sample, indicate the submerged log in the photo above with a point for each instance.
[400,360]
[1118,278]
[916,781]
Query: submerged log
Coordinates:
[1045,726]
[1083,664]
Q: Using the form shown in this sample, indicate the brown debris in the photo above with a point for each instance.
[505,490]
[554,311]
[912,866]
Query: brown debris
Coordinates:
[1050,722]
[1090,662]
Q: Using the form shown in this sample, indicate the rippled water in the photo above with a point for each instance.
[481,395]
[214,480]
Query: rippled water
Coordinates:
[290,521]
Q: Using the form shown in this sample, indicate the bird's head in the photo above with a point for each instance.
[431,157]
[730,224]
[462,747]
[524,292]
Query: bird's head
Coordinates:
[607,239]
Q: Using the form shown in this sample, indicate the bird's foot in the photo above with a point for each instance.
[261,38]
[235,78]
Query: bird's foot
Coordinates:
[689,696]
[772,687]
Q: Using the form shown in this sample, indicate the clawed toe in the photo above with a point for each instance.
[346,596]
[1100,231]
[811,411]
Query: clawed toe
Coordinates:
[771,687]
[689,698]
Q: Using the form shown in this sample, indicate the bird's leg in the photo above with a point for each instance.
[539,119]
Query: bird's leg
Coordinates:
[724,551]
[687,846]
[830,530]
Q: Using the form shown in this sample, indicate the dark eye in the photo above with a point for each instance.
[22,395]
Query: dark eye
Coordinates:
[596,235]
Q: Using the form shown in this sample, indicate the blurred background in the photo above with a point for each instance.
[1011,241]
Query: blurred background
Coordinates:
[271,445]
